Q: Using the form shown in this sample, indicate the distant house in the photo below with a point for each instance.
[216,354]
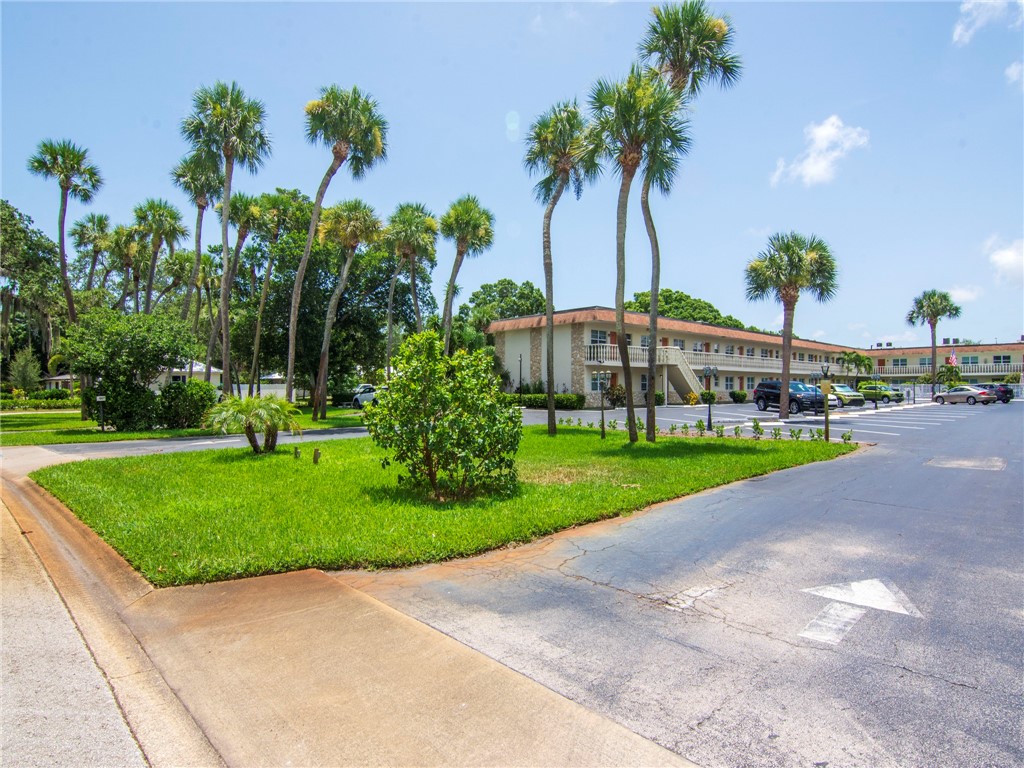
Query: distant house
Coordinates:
[63,381]
[194,370]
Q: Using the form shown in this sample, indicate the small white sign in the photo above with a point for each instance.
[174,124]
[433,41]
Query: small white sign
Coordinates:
[101,398]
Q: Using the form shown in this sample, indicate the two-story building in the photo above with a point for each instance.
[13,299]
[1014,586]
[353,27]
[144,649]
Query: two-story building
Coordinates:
[586,346]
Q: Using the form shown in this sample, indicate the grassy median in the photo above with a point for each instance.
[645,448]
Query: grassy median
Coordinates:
[57,428]
[185,518]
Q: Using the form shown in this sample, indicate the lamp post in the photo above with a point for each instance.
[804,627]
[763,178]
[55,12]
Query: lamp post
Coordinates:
[520,380]
[876,377]
[709,371]
[601,388]
[100,399]
[826,387]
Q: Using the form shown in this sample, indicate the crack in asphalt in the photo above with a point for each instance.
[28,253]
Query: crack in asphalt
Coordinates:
[932,676]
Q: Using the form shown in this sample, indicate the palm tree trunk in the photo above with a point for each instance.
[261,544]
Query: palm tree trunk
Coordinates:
[92,267]
[788,310]
[391,324]
[200,210]
[652,322]
[320,394]
[68,295]
[259,320]
[225,283]
[549,303]
[415,297]
[211,345]
[293,317]
[148,307]
[935,356]
[620,298]
[449,298]
[137,283]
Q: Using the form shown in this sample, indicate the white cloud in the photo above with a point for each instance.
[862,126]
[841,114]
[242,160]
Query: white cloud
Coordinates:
[966,293]
[1015,73]
[828,142]
[975,14]
[1008,260]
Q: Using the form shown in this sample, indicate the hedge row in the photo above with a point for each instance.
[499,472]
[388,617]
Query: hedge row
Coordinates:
[563,402]
[69,404]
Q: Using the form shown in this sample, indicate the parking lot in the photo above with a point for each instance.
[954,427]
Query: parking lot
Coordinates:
[869,424]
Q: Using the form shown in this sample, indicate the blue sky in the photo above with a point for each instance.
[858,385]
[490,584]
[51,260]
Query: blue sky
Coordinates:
[892,130]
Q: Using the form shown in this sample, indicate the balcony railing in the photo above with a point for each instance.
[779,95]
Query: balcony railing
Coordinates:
[609,354]
[988,369]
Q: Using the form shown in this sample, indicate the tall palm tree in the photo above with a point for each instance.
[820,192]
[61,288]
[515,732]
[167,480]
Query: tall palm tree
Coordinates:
[201,180]
[92,233]
[560,146]
[79,179]
[351,126]
[790,265]
[471,226]
[667,143]
[628,116]
[856,363]
[124,252]
[412,231]
[350,225]
[929,308]
[276,211]
[161,222]
[226,128]
[690,47]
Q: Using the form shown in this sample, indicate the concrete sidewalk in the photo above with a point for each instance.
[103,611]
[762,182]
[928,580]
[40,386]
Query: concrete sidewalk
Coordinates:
[289,669]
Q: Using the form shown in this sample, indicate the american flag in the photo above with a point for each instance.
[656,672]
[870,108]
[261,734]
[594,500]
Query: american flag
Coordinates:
[952,357]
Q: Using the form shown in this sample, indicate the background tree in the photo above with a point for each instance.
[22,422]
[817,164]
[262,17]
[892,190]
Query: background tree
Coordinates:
[682,306]
[201,180]
[91,236]
[25,370]
[349,123]
[161,223]
[226,128]
[855,363]
[471,227]
[928,308]
[349,225]
[78,179]
[412,232]
[560,147]
[790,265]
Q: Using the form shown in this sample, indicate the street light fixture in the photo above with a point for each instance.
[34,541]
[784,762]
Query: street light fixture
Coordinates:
[601,387]
[520,380]
[709,371]
[876,377]
[100,399]
[826,387]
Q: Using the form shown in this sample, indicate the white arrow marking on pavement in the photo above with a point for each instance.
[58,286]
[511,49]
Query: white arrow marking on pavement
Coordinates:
[836,619]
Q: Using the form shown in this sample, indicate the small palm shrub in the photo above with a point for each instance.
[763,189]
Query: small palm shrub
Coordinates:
[700,427]
[737,431]
[847,436]
[795,434]
[777,434]
[268,415]
[719,430]
[757,429]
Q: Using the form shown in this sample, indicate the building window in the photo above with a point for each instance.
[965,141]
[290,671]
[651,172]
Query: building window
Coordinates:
[698,347]
[678,343]
[645,341]
[765,353]
[750,382]
[729,382]
[800,356]
[750,351]
[643,382]
[599,337]
[1001,359]
[177,379]
[969,360]
[595,382]
[730,349]
[924,361]
[629,339]
[715,350]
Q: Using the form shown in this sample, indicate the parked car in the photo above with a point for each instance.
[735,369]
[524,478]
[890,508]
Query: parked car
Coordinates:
[366,393]
[801,396]
[879,391]
[966,393]
[847,395]
[1003,392]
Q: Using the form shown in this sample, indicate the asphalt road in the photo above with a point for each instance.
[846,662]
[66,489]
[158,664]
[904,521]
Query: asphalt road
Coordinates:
[692,623]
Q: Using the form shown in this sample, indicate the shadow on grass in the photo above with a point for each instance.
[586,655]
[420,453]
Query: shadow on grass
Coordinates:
[679,448]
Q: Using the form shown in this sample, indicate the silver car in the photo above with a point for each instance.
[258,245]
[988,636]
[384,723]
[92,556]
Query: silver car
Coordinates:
[966,394]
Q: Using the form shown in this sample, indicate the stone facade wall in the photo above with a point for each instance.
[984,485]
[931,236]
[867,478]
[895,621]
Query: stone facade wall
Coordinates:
[536,366]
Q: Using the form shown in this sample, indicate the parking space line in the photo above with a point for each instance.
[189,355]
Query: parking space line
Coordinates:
[873,432]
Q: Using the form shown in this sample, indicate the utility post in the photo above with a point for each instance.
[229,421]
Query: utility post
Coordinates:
[826,387]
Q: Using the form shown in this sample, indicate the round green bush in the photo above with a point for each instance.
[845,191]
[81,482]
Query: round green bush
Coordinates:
[184,403]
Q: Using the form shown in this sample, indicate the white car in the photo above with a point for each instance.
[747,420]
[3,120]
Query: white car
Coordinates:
[366,393]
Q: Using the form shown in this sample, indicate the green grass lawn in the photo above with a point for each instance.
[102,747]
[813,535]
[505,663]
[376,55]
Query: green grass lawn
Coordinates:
[206,516]
[35,428]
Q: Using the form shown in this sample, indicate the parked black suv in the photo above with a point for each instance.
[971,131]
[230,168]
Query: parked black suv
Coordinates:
[1003,392]
[801,396]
